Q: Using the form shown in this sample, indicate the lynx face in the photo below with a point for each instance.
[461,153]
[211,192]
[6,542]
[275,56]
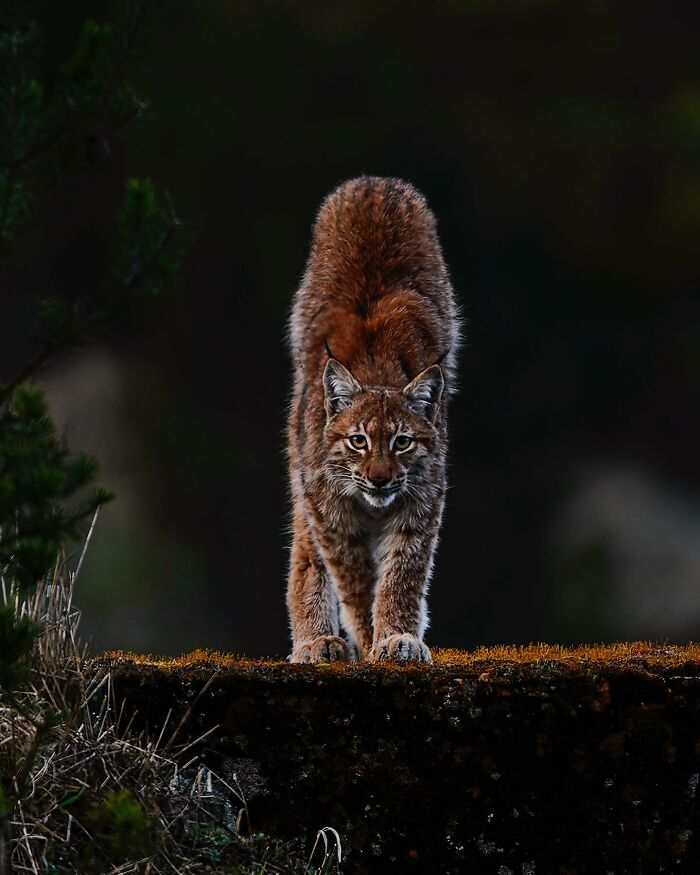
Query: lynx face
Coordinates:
[380,440]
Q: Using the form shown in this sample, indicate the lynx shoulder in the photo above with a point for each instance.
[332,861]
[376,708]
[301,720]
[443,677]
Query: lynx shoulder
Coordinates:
[374,334]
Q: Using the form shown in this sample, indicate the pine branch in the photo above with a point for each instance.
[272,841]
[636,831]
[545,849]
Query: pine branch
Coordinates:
[20,105]
[90,105]
[28,369]
[10,138]
[122,65]
[153,240]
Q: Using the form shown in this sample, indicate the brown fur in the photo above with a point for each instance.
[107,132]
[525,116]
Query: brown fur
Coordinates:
[374,333]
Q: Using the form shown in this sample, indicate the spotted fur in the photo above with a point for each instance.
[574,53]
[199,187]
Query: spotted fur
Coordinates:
[374,334]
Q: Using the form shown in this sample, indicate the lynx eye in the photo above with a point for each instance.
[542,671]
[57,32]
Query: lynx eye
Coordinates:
[358,441]
[402,442]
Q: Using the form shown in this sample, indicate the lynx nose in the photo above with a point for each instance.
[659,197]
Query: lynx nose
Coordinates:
[379,479]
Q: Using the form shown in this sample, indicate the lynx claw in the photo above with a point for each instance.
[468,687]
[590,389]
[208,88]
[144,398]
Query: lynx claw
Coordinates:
[400,648]
[327,648]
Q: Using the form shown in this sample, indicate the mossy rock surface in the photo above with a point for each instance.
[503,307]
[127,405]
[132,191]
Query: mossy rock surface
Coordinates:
[511,761]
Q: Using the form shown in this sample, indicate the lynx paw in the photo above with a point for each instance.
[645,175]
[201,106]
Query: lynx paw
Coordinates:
[327,648]
[400,648]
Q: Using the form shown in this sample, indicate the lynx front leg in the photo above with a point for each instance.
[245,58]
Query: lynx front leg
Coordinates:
[400,617]
[354,574]
[312,602]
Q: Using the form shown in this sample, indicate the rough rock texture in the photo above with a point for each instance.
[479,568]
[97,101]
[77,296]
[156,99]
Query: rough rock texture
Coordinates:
[525,761]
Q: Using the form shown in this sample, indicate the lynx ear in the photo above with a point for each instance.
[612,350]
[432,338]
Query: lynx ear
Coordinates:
[423,393]
[339,387]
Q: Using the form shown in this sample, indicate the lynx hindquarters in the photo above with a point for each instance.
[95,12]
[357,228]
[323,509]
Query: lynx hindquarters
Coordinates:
[374,334]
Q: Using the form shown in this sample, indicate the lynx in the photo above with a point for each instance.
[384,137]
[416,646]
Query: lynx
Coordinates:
[374,333]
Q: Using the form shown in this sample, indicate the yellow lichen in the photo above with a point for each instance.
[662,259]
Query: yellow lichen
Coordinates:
[618,654]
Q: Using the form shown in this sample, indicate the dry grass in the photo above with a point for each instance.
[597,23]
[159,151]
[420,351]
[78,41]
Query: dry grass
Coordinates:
[74,770]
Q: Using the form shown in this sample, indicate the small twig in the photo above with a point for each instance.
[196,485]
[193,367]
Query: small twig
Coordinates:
[198,740]
[84,551]
[188,713]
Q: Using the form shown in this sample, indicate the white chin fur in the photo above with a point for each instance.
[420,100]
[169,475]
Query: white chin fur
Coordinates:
[379,500]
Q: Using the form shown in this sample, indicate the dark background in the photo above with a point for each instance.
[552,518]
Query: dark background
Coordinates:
[559,145]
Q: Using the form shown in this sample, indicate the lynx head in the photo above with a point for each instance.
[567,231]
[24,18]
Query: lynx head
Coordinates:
[380,441]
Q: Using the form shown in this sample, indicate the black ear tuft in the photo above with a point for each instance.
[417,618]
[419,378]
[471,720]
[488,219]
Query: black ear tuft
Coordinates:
[339,387]
[424,392]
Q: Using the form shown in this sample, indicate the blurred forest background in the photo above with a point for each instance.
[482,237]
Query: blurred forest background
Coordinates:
[559,145]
